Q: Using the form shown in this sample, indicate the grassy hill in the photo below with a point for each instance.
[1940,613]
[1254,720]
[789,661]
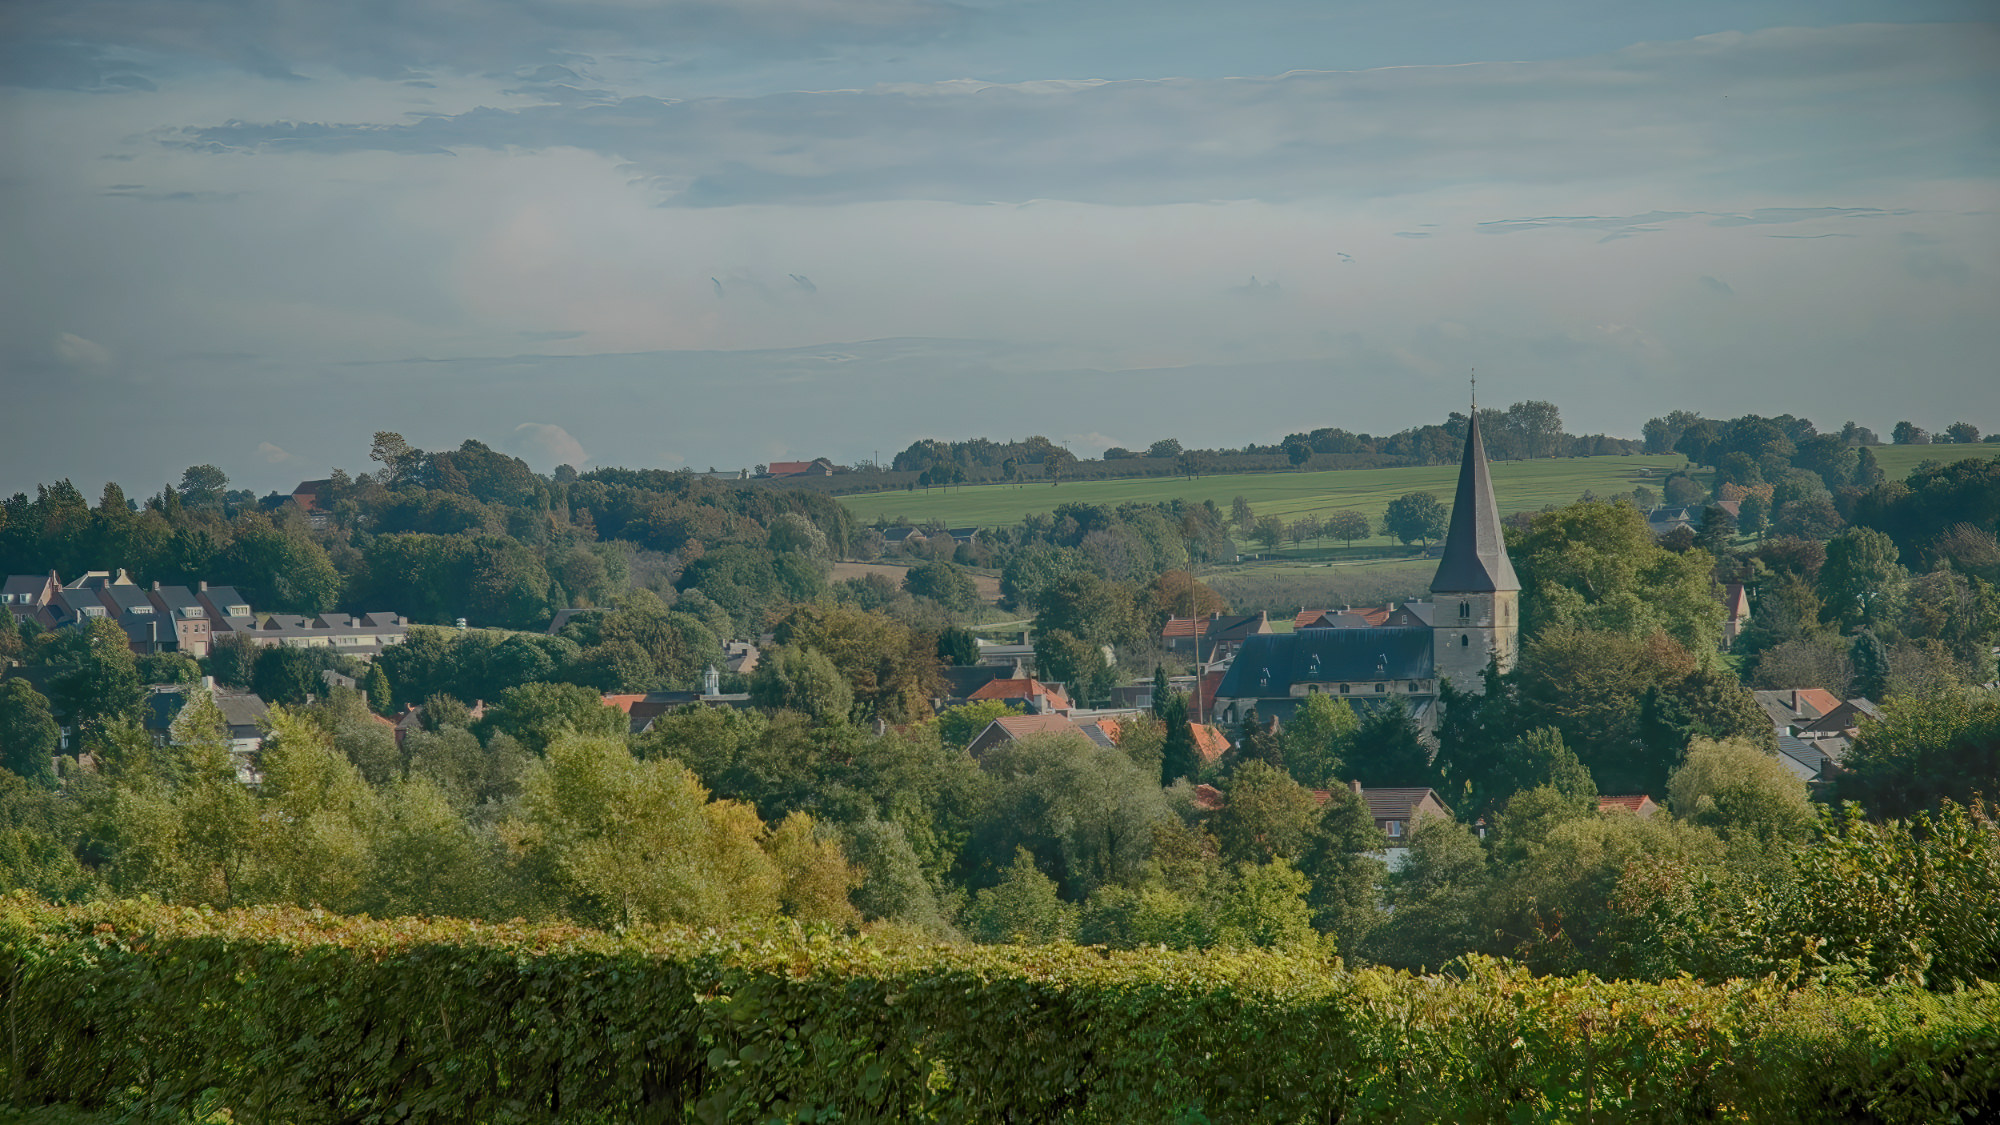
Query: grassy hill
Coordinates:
[1899,461]
[1517,485]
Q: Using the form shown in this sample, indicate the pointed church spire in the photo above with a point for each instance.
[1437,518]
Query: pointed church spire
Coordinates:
[1474,559]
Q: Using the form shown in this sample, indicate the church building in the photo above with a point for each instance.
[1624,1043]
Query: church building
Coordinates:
[1473,618]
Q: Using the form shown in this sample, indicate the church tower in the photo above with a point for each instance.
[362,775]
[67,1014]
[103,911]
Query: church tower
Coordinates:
[1475,598]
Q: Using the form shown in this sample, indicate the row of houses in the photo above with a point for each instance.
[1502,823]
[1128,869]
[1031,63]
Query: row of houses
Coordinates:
[162,618]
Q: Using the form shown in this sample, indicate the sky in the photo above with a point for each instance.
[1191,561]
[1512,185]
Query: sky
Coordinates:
[716,233]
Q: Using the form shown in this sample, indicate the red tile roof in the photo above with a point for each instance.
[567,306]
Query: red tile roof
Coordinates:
[1375,615]
[1023,689]
[1637,804]
[1819,699]
[1209,742]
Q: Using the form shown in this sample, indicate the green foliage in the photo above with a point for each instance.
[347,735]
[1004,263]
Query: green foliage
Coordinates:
[29,738]
[1179,756]
[1740,790]
[1022,908]
[1415,516]
[1388,750]
[804,681]
[539,714]
[958,726]
[100,685]
[1926,750]
[285,1015]
[1319,738]
[1595,566]
[945,583]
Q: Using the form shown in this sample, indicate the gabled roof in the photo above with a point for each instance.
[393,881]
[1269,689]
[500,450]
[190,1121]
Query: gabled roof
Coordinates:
[1209,741]
[38,585]
[1820,700]
[1023,689]
[1400,804]
[1012,728]
[1638,804]
[1475,552]
[1270,663]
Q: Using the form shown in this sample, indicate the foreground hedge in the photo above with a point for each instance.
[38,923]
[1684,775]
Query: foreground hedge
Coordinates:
[286,1015]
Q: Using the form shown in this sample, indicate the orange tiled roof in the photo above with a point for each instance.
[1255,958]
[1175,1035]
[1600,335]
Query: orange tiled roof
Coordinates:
[1819,699]
[623,702]
[1022,689]
[1630,802]
[1209,742]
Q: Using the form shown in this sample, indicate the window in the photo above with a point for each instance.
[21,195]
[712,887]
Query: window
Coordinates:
[1395,829]
[1464,610]
[1413,685]
[1381,687]
[1343,689]
[1465,640]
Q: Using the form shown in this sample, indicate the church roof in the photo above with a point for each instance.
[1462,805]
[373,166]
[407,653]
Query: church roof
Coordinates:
[1475,552]
[1270,663]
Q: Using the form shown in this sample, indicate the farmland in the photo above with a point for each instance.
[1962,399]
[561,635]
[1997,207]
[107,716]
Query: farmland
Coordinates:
[1899,461]
[1518,485]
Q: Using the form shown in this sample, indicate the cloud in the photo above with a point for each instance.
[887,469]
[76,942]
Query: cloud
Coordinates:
[544,445]
[1633,116]
[79,354]
[803,282]
[1716,286]
[273,455]
[403,40]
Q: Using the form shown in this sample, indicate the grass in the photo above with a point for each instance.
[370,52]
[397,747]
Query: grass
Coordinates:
[1899,461]
[1517,485]
[1281,588]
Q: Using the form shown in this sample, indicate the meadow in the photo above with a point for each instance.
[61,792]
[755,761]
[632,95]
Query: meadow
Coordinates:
[1517,485]
[1899,461]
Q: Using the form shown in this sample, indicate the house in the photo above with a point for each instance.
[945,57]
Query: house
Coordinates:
[26,595]
[191,628]
[817,467]
[1735,612]
[898,536]
[1794,708]
[739,658]
[1398,811]
[1037,697]
[1013,728]
[244,713]
[1367,667]
[1209,741]
[1215,633]
[1409,615]
[643,709]
[1660,521]
[962,534]
[1638,804]
[314,498]
[1006,653]
[961,680]
[228,611]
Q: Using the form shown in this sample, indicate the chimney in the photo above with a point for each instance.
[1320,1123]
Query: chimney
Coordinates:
[156,585]
[1024,636]
[202,587]
[121,580]
[1356,786]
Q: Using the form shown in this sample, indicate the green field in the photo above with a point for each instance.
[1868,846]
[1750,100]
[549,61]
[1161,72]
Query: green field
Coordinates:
[1899,461]
[1517,485]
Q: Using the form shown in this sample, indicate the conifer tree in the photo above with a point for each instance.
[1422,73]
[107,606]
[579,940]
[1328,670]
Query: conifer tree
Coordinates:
[380,698]
[1179,757]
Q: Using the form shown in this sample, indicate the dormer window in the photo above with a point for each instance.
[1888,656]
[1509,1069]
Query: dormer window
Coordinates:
[1381,687]
[1395,829]
[1344,689]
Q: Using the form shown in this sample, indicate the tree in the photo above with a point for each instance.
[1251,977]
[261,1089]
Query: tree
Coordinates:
[101,685]
[1862,580]
[1963,433]
[1597,567]
[1165,447]
[1179,756]
[1270,531]
[802,680]
[957,646]
[1318,738]
[1752,514]
[1056,463]
[1438,895]
[1022,909]
[1188,464]
[629,842]
[1870,662]
[1265,815]
[1925,751]
[1718,528]
[539,714]
[1161,691]
[1241,516]
[399,461]
[1740,790]
[1908,433]
[1064,658]
[1348,526]
[947,584]
[1415,516]
[958,726]
[29,738]
[1297,450]
[1388,750]
[815,875]
[202,486]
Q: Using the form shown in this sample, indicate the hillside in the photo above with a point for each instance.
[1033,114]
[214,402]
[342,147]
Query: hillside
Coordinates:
[1519,485]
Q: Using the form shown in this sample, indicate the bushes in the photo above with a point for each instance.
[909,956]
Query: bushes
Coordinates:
[298,1016]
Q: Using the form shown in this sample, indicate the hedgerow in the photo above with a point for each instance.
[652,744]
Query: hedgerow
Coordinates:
[297,1016]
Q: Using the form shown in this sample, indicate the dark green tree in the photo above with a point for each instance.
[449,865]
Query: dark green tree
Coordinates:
[1871,665]
[380,697]
[1160,691]
[1388,750]
[957,646]
[101,684]
[1179,758]
[29,738]
[1415,516]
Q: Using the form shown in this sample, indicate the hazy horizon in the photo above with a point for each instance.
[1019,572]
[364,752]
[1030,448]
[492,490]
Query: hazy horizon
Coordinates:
[684,234]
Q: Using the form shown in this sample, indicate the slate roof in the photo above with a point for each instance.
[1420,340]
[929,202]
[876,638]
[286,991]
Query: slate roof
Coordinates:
[1270,663]
[1475,552]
